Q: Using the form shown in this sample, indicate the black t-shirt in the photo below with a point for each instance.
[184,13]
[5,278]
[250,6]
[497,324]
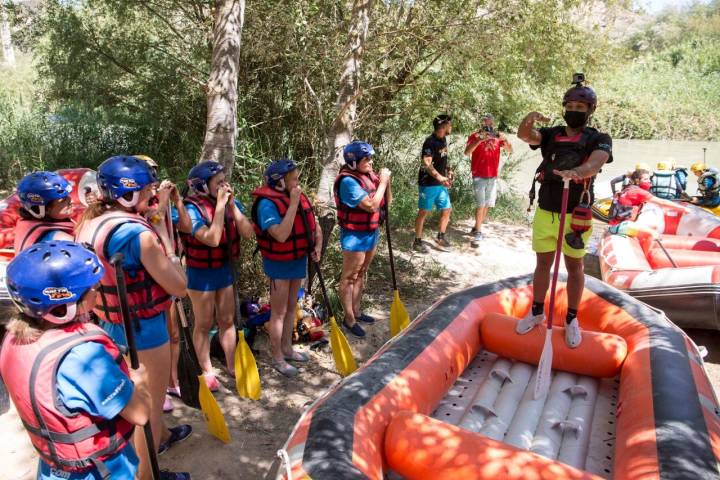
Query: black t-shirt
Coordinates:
[550,195]
[437,149]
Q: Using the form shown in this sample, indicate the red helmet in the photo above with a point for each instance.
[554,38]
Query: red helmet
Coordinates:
[581,93]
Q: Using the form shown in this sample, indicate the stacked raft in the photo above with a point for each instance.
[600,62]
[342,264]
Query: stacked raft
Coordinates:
[632,402]
[684,278]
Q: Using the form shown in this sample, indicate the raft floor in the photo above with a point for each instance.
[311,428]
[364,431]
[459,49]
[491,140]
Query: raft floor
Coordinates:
[574,423]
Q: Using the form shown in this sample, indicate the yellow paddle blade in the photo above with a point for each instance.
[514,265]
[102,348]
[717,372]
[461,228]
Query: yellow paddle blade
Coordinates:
[247,378]
[399,318]
[213,415]
[344,360]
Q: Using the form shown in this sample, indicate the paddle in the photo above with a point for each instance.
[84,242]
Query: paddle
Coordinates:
[191,379]
[399,318]
[247,377]
[542,382]
[342,354]
[667,254]
[116,261]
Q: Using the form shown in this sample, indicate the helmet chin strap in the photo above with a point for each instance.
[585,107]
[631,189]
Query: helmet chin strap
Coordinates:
[129,203]
[41,211]
[280,185]
[70,311]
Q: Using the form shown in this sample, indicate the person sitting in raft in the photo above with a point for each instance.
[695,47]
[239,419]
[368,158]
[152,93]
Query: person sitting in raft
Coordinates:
[211,246]
[576,152]
[117,224]
[708,188]
[360,197]
[626,178]
[45,210]
[287,232]
[667,181]
[73,391]
[626,203]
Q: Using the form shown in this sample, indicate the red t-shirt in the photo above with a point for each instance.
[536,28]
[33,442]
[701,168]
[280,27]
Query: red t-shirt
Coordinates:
[485,157]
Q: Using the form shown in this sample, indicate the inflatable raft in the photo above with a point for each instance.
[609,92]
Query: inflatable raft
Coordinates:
[451,398]
[683,280]
[601,209]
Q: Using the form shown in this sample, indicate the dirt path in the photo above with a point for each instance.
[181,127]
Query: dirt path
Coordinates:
[260,428]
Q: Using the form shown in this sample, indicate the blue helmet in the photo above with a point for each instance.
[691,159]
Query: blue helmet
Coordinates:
[50,274]
[356,151]
[201,174]
[276,171]
[38,189]
[124,174]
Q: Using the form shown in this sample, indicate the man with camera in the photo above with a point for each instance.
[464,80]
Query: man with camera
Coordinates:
[575,152]
[484,147]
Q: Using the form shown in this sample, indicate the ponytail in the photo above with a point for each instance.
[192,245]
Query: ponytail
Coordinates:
[94,210]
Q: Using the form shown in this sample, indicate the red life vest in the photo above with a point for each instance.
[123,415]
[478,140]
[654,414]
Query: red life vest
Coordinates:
[146,297]
[27,232]
[199,255]
[357,219]
[302,237]
[69,441]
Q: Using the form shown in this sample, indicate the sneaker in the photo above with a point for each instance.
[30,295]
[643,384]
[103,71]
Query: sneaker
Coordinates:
[573,336]
[529,322]
[419,246]
[177,434]
[211,382]
[168,404]
[475,242]
[356,330]
[365,318]
[165,475]
[442,241]
[173,391]
[473,231]
[285,368]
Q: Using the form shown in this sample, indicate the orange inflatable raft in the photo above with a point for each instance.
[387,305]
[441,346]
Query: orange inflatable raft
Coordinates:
[683,279]
[451,398]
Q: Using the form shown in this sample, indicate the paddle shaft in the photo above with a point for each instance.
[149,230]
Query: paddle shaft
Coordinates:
[667,254]
[228,246]
[389,242]
[558,250]
[116,261]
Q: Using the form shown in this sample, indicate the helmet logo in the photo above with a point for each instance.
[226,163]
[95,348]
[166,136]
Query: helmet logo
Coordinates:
[58,293]
[350,155]
[128,182]
[34,197]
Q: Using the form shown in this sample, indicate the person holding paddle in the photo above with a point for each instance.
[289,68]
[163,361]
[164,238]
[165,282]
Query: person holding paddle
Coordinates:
[64,374]
[218,223]
[117,224]
[287,232]
[575,152]
[360,196]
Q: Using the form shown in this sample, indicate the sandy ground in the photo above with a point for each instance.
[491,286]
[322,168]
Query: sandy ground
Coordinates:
[260,428]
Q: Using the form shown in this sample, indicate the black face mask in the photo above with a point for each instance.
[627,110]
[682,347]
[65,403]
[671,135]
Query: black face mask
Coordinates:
[575,119]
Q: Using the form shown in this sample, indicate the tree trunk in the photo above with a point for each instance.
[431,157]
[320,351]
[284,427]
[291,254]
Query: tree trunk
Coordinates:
[221,129]
[8,51]
[341,129]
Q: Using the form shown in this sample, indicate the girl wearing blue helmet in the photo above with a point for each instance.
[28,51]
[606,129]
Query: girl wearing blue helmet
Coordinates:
[45,209]
[117,223]
[210,246]
[65,375]
[286,233]
[360,198]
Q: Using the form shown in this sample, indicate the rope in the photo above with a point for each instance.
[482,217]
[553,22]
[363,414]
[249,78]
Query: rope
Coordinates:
[285,459]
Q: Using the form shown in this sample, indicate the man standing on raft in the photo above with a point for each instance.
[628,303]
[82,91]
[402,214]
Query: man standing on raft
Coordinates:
[576,152]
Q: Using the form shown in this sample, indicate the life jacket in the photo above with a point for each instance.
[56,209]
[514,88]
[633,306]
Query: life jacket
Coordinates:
[357,219]
[562,153]
[664,184]
[302,237]
[200,255]
[146,298]
[27,232]
[712,191]
[69,441]
[681,176]
[626,204]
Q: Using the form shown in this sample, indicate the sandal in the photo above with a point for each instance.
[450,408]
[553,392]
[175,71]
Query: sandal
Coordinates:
[285,368]
[298,357]
[177,434]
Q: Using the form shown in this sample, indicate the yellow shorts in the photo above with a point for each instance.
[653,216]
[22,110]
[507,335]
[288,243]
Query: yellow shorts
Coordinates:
[545,232]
